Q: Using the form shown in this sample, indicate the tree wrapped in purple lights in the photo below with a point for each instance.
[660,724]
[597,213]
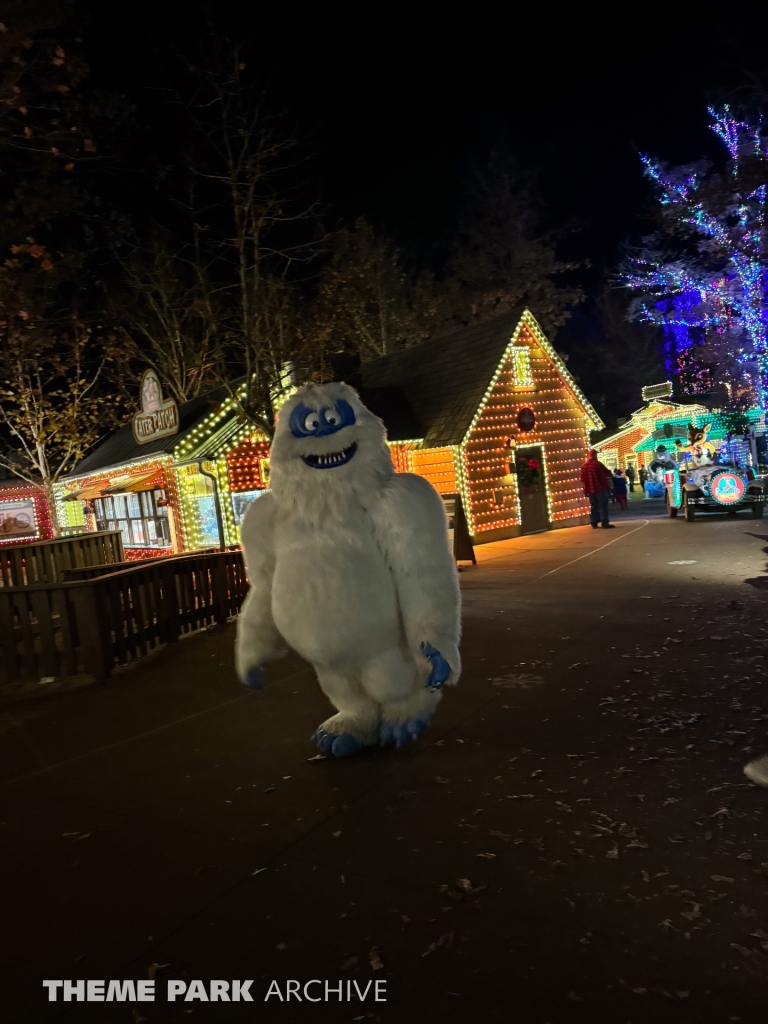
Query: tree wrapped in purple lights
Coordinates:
[702,277]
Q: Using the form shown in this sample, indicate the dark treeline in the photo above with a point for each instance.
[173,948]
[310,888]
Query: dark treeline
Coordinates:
[187,235]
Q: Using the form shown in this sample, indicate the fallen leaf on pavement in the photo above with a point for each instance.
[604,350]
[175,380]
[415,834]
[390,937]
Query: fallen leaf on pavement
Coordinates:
[444,940]
[742,949]
[694,914]
[154,968]
[517,681]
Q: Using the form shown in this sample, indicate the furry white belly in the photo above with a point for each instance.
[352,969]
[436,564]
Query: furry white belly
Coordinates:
[337,618]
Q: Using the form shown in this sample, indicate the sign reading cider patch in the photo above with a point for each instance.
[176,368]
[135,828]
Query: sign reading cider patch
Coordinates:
[159,417]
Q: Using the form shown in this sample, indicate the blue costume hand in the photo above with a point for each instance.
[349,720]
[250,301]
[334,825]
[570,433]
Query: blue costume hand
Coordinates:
[440,667]
[254,678]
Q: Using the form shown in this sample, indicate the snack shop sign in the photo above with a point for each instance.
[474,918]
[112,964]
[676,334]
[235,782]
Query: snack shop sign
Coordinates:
[159,417]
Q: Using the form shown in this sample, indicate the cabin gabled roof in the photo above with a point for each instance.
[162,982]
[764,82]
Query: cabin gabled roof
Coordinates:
[445,381]
[121,447]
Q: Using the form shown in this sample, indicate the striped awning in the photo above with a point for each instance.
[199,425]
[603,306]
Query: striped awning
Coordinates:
[119,486]
[85,494]
[132,483]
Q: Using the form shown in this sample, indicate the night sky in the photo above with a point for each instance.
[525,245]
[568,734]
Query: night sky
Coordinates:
[397,105]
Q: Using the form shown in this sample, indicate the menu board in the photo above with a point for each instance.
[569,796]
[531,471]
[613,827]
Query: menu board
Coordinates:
[17,519]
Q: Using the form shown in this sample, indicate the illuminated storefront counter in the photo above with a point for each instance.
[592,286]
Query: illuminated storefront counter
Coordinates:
[183,491]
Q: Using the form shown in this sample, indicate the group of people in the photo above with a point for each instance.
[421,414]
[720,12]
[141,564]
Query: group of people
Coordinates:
[600,485]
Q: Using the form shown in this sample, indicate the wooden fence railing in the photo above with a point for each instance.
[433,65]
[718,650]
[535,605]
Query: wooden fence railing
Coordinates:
[45,561]
[92,625]
[90,572]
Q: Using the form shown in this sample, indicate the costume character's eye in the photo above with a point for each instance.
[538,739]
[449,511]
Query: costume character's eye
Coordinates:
[306,422]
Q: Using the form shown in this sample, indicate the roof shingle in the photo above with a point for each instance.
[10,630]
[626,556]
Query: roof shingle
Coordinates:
[442,380]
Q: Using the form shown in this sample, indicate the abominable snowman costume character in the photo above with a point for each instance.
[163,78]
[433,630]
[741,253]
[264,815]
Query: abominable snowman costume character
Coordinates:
[349,565]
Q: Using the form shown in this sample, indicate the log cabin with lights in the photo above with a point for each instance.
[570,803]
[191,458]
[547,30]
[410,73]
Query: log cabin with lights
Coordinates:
[182,492]
[489,413]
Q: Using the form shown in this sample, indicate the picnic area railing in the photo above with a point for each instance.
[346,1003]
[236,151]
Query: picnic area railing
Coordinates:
[45,561]
[92,625]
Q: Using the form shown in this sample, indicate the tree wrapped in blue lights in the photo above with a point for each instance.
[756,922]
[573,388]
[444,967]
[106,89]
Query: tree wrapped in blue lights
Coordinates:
[703,277]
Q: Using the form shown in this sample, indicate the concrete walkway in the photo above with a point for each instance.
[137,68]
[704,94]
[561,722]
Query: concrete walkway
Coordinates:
[573,839]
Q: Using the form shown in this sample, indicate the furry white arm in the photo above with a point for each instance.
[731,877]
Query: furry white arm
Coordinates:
[412,531]
[258,641]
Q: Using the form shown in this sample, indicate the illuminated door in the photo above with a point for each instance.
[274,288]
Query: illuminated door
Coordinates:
[534,516]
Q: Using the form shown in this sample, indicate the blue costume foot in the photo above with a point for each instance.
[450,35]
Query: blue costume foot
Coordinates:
[254,678]
[400,732]
[440,667]
[339,745]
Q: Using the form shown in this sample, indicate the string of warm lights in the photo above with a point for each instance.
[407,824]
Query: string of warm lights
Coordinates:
[244,463]
[563,418]
[175,517]
[437,466]
[231,530]
[401,458]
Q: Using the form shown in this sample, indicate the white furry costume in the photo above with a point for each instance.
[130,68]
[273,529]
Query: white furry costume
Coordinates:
[349,565]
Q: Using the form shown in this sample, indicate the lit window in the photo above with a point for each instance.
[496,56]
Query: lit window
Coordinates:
[521,366]
[140,516]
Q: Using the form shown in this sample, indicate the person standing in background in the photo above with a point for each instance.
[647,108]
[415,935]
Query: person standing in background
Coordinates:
[631,476]
[643,477]
[598,484]
[620,488]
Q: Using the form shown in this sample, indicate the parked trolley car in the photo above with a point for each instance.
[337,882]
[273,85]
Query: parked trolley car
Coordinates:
[713,488]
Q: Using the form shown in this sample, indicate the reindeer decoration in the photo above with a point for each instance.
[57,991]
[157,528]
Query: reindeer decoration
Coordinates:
[702,452]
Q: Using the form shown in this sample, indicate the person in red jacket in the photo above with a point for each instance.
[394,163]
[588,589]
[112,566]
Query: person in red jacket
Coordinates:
[597,481]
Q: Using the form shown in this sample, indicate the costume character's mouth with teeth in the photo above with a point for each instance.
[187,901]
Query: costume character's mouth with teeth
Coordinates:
[331,459]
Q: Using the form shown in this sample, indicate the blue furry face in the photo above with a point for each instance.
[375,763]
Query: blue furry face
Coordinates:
[305,422]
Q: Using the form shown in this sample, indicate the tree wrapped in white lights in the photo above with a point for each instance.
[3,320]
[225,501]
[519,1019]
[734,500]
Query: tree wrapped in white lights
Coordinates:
[707,268]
